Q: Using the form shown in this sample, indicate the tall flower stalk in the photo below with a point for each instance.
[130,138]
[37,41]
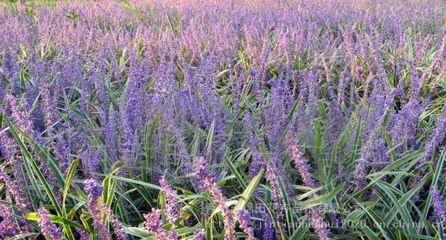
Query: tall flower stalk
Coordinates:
[8,225]
[154,224]
[49,230]
[208,182]
[303,166]
[172,207]
[244,218]
[97,207]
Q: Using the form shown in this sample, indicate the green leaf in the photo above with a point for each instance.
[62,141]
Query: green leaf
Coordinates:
[370,234]
[377,220]
[55,219]
[70,175]
[210,141]
[300,232]
[324,198]
[402,210]
[247,194]
[35,167]
[149,150]
[24,236]
[139,232]
[234,170]
[148,185]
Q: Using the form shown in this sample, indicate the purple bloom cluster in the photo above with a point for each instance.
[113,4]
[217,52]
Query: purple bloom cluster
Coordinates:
[20,115]
[244,218]
[435,138]
[97,207]
[49,230]
[205,178]
[119,230]
[267,226]
[199,234]
[301,163]
[318,223]
[276,193]
[20,200]
[154,224]
[439,205]
[303,166]
[94,192]
[82,234]
[172,208]
[148,87]
[8,225]
[9,149]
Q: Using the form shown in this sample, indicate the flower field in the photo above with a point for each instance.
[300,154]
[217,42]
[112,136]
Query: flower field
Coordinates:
[248,119]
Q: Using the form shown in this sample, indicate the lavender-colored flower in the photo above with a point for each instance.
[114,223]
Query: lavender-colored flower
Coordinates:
[244,218]
[119,230]
[88,79]
[303,167]
[276,193]
[206,179]
[199,234]
[257,161]
[23,120]
[435,138]
[94,192]
[61,151]
[318,223]
[20,116]
[373,152]
[82,234]
[49,230]
[90,160]
[154,224]
[439,206]
[301,163]
[19,198]
[8,146]
[8,226]
[50,108]
[267,225]
[172,208]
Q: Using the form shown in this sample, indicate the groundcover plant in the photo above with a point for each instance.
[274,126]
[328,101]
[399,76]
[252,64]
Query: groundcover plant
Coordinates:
[228,119]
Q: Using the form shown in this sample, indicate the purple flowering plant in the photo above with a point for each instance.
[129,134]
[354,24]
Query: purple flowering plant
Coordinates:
[250,119]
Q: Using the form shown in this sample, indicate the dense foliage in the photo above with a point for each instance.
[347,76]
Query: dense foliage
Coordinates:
[188,119]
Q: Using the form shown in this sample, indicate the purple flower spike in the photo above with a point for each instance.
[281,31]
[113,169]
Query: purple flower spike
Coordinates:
[8,226]
[172,208]
[94,191]
[119,230]
[205,178]
[82,234]
[155,225]
[318,223]
[301,163]
[276,193]
[14,189]
[244,218]
[439,206]
[435,138]
[199,234]
[49,230]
